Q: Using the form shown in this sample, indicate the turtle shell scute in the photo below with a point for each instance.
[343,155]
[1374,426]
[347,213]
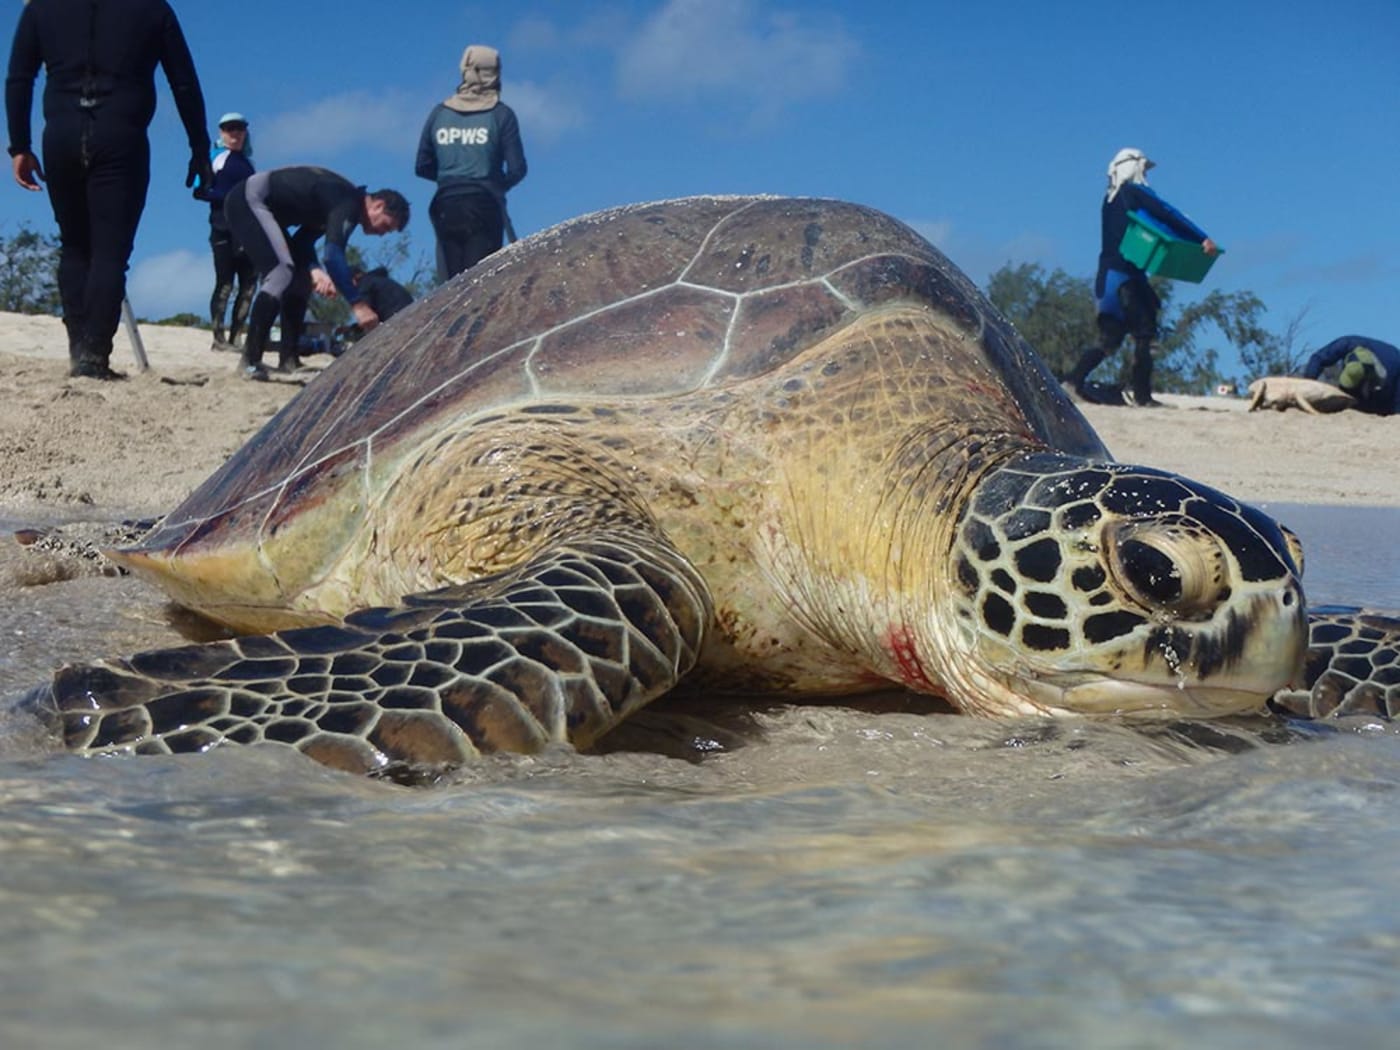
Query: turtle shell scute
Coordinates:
[649,300]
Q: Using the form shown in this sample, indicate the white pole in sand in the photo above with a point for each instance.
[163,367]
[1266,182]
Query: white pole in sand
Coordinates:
[138,348]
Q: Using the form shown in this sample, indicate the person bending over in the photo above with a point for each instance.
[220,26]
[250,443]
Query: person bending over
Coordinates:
[1369,372]
[261,212]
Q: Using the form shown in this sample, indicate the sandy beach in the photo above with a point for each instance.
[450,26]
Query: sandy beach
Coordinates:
[75,448]
[80,451]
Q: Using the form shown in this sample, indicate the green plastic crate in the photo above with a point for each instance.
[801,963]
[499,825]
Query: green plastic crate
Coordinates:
[1163,254]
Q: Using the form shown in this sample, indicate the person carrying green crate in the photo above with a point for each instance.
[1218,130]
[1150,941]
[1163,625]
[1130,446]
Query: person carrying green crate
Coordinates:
[1126,303]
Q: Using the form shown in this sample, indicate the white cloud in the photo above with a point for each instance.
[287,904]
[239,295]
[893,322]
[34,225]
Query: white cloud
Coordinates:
[545,113]
[935,231]
[699,48]
[383,120]
[597,29]
[532,33]
[176,282]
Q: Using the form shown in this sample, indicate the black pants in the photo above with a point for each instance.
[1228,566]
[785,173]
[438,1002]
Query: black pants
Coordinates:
[469,227]
[97,179]
[231,264]
[1141,307]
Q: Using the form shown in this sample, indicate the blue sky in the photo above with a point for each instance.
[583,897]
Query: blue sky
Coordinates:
[986,126]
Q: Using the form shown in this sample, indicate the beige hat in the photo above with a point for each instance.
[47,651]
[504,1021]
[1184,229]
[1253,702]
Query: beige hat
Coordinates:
[480,88]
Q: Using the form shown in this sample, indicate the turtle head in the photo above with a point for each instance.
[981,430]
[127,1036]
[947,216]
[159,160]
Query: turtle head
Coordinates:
[1097,588]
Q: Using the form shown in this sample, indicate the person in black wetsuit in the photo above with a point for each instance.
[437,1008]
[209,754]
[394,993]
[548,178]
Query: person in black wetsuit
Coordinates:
[99,59]
[261,211]
[232,163]
[385,295]
[1126,303]
[471,148]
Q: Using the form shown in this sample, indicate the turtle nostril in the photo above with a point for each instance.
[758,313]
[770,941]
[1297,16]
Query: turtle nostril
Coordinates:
[1151,572]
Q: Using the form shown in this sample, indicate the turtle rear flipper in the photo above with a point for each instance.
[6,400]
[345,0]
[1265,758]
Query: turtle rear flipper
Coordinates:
[561,649]
[1353,667]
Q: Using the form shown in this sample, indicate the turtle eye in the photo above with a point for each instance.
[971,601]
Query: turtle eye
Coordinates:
[1171,568]
[1151,571]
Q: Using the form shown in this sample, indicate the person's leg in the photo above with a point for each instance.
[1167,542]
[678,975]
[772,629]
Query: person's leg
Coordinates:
[247,286]
[1111,334]
[469,227]
[294,303]
[484,228]
[485,240]
[67,189]
[221,244]
[1142,373]
[1141,306]
[451,249]
[1089,359]
[116,186]
[260,321]
[256,231]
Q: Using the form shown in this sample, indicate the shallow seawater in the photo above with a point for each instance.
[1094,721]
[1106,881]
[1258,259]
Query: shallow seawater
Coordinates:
[872,876]
[1352,553]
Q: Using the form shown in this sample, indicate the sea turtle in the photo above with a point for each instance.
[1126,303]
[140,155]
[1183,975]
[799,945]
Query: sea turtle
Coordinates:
[758,445]
[1285,392]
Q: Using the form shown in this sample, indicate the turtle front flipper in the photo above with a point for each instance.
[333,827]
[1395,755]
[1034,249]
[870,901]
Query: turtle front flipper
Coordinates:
[562,648]
[1353,666]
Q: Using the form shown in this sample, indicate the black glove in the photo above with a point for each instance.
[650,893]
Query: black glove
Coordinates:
[199,171]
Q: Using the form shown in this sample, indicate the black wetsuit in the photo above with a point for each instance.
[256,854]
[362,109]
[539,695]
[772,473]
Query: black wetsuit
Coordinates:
[261,210]
[474,158]
[385,295]
[99,61]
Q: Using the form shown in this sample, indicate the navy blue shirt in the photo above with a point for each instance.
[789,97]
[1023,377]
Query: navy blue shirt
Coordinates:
[1385,400]
[230,168]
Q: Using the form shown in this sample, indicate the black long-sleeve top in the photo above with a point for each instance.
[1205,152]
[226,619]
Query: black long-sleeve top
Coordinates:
[101,58]
[319,203]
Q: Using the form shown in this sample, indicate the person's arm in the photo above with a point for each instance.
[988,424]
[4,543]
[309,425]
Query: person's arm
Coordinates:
[512,150]
[25,60]
[178,63]
[425,166]
[1165,214]
[1327,355]
[344,217]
